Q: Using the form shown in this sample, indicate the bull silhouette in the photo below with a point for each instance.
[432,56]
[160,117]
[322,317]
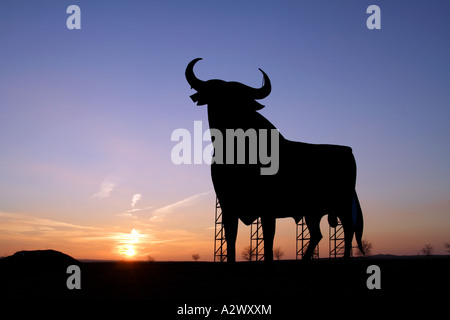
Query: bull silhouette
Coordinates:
[311,181]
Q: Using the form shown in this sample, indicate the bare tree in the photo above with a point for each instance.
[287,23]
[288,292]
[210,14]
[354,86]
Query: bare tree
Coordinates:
[277,253]
[447,246]
[367,247]
[246,253]
[150,258]
[195,256]
[427,250]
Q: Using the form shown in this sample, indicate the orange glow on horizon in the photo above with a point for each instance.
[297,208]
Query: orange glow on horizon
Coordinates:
[127,243]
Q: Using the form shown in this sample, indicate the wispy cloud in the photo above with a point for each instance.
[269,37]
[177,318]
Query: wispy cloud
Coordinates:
[134,200]
[30,229]
[132,212]
[106,188]
[35,222]
[173,207]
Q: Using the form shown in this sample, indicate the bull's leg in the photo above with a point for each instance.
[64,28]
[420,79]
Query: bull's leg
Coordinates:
[346,218]
[349,230]
[231,227]
[345,211]
[313,223]
[268,225]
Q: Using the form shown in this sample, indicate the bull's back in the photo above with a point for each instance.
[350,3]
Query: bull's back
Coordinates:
[310,176]
[316,161]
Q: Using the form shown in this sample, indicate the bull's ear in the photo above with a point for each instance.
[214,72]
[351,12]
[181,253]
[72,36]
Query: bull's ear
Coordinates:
[256,105]
[199,98]
[195,97]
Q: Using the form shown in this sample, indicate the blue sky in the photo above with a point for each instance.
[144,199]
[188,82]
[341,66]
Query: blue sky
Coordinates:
[84,108]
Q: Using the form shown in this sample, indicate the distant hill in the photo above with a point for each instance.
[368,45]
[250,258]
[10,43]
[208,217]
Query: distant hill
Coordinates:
[37,274]
[38,258]
[391,256]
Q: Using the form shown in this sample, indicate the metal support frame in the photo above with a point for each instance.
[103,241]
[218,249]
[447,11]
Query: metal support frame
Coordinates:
[256,241]
[337,241]
[220,245]
[303,239]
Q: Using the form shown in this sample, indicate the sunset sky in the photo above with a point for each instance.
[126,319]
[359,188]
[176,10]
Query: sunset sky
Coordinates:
[86,117]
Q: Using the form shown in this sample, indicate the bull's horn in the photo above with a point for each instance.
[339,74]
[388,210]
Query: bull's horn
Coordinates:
[190,76]
[264,91]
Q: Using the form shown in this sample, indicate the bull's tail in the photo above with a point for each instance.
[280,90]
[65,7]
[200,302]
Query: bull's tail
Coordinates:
[358,222]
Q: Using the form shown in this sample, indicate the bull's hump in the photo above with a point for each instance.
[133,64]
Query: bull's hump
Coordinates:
[346,149]
[314,147]
[335,147]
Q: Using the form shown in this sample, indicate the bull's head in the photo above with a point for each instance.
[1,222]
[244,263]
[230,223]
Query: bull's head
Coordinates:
[223,92]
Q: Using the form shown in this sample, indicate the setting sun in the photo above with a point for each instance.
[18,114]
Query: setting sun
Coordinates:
[127,243]
[130,251]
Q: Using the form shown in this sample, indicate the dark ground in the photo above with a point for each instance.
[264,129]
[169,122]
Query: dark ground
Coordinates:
[282,284]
